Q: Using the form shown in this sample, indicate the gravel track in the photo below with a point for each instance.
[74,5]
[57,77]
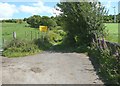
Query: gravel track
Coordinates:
[49,68]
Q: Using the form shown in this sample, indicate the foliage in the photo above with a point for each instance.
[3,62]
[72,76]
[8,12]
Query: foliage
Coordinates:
[13,21]
[34,21]
[24,33]
[107,64]
[46,21]
[82,20]
[118,18]
[43,44]
[58,20]
[56,36]
[110,18]
[17,48]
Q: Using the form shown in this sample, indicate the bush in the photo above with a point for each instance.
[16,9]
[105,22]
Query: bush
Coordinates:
[43,44]
[55,36]
[17,48]
[107,64]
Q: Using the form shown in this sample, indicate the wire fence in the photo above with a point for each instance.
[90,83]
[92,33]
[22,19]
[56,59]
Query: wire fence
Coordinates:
[27,36]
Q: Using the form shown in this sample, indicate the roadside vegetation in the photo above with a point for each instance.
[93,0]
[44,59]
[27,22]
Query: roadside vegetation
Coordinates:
[105,61]
[110,18]
[29,40]
[86,32]
[80,28]
[19,48]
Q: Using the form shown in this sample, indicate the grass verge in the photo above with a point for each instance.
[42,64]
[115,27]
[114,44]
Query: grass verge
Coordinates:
[19,48]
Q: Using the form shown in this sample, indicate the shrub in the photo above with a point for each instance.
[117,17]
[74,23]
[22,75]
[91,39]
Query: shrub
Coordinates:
[17,48]
[42,44]
[55,36]
[107,64]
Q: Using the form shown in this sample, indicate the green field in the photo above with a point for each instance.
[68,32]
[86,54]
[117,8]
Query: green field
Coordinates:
[22,31]
[112,29]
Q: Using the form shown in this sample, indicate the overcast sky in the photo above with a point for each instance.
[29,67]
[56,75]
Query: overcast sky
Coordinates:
[26,8]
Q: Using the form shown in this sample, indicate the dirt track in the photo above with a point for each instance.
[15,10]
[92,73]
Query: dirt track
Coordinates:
[49,68]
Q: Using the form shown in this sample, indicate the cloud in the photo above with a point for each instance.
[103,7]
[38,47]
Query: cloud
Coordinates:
[7,10]
[37,8]
[108,4]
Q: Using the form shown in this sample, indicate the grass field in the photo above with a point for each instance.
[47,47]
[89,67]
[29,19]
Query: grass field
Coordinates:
[20,29]
[112,32]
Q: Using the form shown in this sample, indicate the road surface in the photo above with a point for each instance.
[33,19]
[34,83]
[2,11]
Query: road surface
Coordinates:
[49,68]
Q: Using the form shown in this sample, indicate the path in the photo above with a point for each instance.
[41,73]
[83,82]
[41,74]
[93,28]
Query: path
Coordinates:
[49,68]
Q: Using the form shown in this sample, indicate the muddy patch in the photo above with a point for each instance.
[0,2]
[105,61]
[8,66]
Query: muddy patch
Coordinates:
[36,69]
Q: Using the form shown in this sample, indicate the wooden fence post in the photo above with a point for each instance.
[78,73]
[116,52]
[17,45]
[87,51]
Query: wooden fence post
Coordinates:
[14,35]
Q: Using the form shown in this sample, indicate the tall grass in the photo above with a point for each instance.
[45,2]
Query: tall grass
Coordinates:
[20,48]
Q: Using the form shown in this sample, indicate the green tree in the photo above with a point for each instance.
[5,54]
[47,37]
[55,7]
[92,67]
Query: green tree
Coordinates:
[25,19]
[58,20]
[34,21]
[48,22]
[82,20]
